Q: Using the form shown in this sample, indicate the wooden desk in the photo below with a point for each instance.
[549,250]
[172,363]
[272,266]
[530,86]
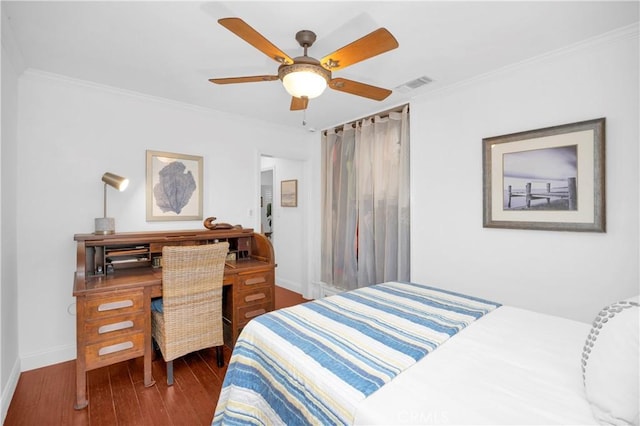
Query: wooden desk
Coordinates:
[115,281]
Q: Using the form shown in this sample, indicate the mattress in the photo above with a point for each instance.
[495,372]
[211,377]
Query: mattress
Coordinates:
[405,353]
[511,366]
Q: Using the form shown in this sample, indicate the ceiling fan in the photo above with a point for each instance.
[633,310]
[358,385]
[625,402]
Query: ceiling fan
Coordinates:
[305,77]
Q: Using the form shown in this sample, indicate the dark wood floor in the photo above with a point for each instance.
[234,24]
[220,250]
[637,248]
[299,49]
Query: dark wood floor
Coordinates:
[117,395]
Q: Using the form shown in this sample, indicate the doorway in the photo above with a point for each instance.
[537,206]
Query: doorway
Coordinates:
[266,201]
[287,225]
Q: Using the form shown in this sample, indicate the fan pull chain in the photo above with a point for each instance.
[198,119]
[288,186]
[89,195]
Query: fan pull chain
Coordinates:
[304,117]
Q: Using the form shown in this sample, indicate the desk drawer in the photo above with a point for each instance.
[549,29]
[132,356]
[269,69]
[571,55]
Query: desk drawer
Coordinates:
[254,296]
[113,327]
[247,313]
[255,279]
[107,305]
[116,349]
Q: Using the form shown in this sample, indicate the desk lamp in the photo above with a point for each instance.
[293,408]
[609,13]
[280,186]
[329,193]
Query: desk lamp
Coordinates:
[107,225]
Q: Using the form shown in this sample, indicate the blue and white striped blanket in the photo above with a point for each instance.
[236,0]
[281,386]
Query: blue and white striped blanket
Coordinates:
[314,363]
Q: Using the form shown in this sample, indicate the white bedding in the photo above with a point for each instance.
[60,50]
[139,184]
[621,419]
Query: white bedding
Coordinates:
[527,361]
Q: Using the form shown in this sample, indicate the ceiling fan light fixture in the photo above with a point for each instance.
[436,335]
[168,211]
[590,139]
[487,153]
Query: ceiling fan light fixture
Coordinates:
[305,77]
[304,80]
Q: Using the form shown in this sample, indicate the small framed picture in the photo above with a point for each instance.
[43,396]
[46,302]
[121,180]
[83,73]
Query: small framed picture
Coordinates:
[547,179]
[289,193]
[174,186]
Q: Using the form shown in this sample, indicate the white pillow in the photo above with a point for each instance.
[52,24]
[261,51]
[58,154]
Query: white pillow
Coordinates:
[610,364]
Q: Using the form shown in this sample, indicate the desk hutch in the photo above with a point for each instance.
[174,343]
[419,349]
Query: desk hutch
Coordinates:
[118,274]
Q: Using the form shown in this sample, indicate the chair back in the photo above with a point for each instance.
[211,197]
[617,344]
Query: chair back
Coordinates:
[192,297]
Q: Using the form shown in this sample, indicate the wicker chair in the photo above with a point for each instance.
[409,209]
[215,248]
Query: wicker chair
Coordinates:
[191,317]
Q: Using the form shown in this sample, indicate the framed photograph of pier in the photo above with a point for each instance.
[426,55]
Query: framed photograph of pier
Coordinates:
[174,186]
[546,179]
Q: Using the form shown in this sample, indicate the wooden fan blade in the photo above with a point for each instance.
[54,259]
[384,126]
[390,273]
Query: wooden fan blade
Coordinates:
[254,38]
[375,43]
[299,103]
[250,79]
[360,89]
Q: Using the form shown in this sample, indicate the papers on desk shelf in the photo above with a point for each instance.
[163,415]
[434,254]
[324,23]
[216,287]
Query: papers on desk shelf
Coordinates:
[127,259]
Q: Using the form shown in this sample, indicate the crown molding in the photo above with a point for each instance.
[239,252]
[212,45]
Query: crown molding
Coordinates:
[37,73]
[623,33]
[9,43]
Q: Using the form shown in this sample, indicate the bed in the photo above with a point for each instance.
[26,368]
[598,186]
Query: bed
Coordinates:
[407,353]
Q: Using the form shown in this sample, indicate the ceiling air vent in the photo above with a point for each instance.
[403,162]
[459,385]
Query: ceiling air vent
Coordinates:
[413,84]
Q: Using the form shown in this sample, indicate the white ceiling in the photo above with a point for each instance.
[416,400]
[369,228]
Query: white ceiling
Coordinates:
[170,49]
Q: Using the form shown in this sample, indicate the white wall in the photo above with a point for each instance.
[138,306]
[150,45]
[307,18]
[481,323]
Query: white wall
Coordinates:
[562,273]
[290,226]
[69,134]
[9,360]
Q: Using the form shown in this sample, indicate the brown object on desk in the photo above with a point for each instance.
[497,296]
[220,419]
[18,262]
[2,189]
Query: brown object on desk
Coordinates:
[208,223]
[191,317]
[113,320]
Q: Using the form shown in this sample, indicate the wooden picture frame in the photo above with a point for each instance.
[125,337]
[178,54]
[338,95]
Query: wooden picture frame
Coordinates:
[546,179]
[180,176]
[289,193]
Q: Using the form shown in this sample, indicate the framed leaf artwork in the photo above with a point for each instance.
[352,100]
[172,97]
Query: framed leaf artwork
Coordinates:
[174,186]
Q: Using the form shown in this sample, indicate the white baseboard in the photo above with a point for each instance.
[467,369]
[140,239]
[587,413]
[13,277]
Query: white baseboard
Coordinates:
[10,388]
[289,285]
[52,356]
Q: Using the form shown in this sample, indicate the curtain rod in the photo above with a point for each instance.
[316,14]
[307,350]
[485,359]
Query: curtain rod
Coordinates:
[382,114]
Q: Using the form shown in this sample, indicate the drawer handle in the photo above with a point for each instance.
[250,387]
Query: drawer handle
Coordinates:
[254,297]
[257,280]
[115,348]
[115,305]
[115,327]
[255,313]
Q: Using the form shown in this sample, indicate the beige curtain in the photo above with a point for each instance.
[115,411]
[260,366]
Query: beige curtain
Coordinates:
[365,202]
